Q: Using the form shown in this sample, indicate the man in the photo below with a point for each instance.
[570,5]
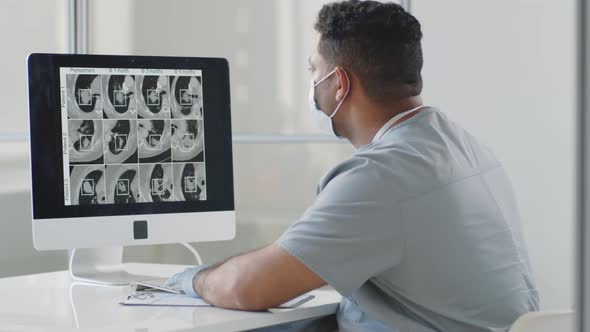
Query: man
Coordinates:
[418,230]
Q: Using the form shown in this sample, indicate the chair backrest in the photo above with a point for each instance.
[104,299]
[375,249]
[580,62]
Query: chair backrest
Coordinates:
[545,321]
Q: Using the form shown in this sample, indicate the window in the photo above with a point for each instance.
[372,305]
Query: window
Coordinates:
[267,44]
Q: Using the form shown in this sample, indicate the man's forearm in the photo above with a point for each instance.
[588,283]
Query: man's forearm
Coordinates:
[257,280]
[224,285]
[208,283]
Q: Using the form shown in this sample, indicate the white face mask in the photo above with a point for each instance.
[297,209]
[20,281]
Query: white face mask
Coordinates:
[324,121]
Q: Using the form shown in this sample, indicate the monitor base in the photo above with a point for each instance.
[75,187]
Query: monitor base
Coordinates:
[102,266]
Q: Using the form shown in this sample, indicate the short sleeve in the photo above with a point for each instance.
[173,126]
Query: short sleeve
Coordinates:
[351,232]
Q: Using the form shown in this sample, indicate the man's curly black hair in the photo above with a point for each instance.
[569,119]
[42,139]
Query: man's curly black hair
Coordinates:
[379,42]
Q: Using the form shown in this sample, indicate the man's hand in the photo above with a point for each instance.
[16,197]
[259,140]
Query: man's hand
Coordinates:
[185,280]
[258,280]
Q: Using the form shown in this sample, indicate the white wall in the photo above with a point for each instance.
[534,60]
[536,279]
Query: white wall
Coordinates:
[505,70]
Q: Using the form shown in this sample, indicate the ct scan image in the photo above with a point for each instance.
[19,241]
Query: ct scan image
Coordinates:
[120,141]
[119,96]
[153,141]
[84,96]
[187,97]
[85,141]
[132,138]
[156,183]
[122,184]
[189,182]
[153,99]
[187,140]
[87,185]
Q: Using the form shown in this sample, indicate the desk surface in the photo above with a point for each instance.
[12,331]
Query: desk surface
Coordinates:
[53,302]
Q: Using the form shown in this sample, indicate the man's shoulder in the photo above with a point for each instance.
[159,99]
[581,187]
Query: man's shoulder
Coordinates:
[428,153]
[360,176]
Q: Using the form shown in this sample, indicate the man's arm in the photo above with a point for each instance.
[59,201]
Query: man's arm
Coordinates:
[257,280]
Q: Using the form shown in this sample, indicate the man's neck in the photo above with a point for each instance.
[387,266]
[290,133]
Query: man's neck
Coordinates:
[373,117]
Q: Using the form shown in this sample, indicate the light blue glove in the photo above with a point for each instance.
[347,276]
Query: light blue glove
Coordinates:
[185,280]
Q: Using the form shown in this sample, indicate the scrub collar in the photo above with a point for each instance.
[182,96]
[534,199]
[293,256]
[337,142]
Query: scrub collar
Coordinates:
[392,122]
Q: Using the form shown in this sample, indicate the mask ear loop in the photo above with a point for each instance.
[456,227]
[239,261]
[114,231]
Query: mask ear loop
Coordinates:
[345,95]
[325,77]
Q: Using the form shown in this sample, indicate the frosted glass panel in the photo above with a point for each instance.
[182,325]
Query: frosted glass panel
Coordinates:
[26,26]
[276,183]
[267,43]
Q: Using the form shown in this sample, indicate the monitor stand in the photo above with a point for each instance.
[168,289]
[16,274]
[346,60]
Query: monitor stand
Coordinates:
[102,266]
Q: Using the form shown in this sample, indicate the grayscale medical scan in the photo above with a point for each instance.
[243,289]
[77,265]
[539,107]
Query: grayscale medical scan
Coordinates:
[131,137]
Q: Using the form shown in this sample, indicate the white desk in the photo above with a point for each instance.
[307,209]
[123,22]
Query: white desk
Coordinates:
[52,302]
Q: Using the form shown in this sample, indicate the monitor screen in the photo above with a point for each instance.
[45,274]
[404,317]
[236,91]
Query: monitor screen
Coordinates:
[132,135]
[128,135]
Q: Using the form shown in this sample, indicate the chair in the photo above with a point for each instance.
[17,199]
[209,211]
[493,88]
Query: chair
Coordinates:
[545,321]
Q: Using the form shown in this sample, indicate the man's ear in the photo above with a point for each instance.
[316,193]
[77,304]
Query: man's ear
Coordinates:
[343,84]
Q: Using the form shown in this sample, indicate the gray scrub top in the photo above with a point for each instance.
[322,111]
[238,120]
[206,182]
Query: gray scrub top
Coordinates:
[419,231]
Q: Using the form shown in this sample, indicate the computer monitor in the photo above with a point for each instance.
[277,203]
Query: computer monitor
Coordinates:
[128,150]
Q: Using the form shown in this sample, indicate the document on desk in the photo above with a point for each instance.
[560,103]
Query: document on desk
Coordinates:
[155,298]
[158,298]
